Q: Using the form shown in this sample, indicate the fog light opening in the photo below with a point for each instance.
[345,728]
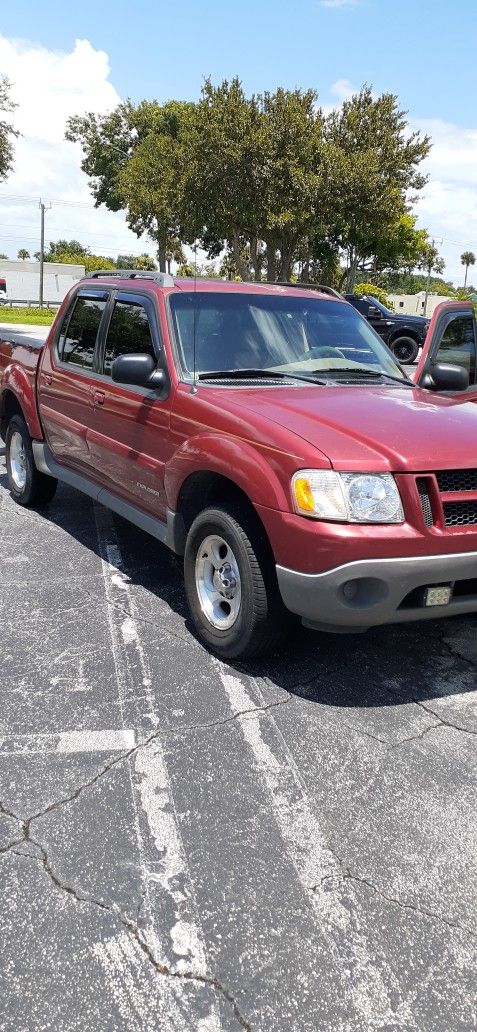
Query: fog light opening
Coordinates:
[363,592]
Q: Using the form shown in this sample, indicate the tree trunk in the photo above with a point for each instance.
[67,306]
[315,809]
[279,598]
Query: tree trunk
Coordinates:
[305,269]
[161,251]
[271,261]
[465,280]
[254,258]
[352,271]
[239,264]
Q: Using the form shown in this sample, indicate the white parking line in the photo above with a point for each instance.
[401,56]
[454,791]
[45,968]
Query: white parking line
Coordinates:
[373,989]
[69,742]
[176,939]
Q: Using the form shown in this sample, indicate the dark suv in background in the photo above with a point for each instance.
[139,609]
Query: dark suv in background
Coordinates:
[404,334]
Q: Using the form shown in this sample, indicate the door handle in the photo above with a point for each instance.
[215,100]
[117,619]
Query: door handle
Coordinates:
[47,378]
[98,397]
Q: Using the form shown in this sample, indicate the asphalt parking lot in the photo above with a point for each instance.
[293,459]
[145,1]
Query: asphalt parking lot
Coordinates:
[188,846]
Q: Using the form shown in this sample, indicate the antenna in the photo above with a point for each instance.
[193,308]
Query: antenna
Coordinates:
[194,322]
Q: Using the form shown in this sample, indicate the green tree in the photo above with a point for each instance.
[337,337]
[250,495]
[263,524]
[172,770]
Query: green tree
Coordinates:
[431,260]
[23,254]
[135,261]
[467,258]
[7,131]
[372,168]
[58,249]
[371,290]
[135,160]
[256,174]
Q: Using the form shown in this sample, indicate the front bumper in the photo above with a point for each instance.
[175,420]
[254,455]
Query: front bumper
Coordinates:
[370,592]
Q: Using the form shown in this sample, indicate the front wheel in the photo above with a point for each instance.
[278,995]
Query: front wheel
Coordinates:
[27,485]
[405,349]
[233,598]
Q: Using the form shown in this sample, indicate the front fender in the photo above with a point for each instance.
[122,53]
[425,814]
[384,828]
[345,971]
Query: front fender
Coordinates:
[17,381]
[263,474]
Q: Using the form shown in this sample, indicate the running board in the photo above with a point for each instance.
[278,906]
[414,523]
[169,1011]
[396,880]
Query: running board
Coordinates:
[171,533]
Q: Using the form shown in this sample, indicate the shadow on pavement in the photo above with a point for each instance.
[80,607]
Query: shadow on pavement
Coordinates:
[383,667]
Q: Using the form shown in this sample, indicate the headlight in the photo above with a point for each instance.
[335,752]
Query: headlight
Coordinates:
[347,497]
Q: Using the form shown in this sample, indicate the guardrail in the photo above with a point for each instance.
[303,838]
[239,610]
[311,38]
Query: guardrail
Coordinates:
[12,302]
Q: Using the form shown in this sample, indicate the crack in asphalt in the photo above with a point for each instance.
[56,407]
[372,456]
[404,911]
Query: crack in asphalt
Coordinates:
[427,709]
[57,803]
[347,875]
[208,980]
[454,653]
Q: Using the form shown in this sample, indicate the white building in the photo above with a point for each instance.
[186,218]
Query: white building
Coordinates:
[413,304]
[23,280]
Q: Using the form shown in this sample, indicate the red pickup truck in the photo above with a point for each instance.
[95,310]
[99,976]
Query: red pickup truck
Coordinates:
[267,434]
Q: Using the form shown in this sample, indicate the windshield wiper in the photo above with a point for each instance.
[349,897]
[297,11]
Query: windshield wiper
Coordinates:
[374,373]
[263,374]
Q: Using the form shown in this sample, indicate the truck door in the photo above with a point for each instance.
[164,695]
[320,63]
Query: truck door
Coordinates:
[66,379]
[129,440]
[451,340]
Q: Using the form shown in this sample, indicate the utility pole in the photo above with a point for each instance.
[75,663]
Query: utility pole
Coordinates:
[428,283]
[43,208]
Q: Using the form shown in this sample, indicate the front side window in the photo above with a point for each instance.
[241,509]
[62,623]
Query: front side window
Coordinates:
[457,345]
[287,334]
[77,345]
[129,333]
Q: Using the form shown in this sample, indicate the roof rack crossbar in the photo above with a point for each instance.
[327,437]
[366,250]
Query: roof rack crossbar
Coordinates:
[163,278]
[308,286]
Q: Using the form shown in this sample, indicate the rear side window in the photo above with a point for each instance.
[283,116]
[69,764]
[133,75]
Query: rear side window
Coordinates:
[129,333]
[78,343]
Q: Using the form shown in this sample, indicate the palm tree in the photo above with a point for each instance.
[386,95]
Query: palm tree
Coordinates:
[23,254]
[467,258]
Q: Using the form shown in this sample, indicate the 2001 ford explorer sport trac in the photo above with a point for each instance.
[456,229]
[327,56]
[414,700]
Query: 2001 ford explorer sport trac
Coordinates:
[266,433]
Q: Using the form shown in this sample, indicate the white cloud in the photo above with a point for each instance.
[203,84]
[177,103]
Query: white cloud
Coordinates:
[339,3]
[48,87]
[447,206]
[343,89]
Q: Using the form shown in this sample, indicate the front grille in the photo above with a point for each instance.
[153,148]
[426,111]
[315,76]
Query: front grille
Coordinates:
[457,479]
[425,501]
[460,514]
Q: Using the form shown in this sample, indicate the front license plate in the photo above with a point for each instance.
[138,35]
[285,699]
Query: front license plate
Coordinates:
[438,595]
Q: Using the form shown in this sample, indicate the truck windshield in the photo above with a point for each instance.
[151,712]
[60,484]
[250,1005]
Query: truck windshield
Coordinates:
[217,330]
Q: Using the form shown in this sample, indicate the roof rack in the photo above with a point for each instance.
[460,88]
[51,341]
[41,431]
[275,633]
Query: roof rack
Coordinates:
[309,286]
[163,278]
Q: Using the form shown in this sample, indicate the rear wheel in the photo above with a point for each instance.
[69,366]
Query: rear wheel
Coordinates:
[406,349]
[27,485]
[233,598]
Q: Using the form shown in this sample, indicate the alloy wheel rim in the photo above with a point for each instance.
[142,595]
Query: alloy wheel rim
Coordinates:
[18,461]
[217,581]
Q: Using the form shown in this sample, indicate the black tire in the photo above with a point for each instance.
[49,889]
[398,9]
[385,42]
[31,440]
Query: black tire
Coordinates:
[405,349]
[261,616]
[38,489]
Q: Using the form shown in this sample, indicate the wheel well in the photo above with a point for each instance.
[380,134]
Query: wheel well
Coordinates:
[203,490]
[10,407]
[404,333]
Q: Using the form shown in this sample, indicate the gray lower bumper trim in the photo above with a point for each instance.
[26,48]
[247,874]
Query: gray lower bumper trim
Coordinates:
[170,532]
[367,593]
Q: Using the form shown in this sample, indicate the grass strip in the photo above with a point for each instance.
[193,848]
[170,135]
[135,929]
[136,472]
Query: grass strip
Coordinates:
[28,316]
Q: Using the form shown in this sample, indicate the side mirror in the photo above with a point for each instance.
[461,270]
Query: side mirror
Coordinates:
[373,312]
[139,371]
[442,376]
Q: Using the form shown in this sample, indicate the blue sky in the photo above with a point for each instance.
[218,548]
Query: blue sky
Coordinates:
[421,50]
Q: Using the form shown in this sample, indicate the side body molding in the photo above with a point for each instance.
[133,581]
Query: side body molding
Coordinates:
[171,533]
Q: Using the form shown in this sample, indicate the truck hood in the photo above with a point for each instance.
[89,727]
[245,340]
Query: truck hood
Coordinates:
[373,428]
[411,320]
